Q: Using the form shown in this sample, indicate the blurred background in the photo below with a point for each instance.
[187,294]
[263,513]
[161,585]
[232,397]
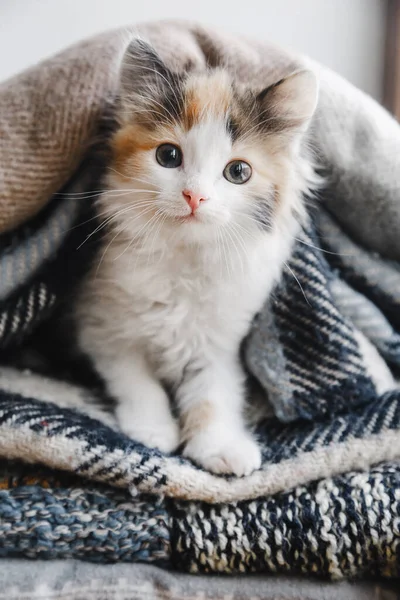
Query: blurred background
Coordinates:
[346,35]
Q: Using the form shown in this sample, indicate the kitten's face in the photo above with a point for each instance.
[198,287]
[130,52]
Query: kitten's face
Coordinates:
[197,157]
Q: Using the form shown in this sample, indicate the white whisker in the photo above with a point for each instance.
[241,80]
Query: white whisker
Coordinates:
[114,216]
[298,282]
[229,232]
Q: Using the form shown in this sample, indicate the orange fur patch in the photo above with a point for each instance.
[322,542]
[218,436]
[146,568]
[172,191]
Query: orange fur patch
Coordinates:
[127,142]
[196,419]
[206,94]
[131,141]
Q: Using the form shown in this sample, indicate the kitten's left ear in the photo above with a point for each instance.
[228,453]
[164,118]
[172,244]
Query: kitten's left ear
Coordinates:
[143,75]
[289,104]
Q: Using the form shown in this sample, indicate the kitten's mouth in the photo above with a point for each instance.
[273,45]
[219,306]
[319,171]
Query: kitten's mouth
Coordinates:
[188,218]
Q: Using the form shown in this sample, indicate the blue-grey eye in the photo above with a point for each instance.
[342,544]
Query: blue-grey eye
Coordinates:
[169,156]
[237,171]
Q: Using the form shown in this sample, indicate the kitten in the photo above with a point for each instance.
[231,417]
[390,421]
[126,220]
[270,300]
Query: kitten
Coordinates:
[204,200]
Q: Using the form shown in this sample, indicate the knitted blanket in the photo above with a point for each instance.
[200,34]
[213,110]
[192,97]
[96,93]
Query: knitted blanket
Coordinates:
[324,352]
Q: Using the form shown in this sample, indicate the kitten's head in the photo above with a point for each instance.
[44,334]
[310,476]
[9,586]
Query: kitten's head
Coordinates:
[196,154]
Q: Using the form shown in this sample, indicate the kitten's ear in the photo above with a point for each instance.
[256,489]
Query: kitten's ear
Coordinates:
[289,104]
[143,74]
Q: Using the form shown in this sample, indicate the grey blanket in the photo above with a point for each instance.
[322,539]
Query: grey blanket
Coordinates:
[73,580]
[324,353]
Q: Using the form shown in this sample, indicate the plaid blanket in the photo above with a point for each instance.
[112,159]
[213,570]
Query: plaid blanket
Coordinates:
[324,353]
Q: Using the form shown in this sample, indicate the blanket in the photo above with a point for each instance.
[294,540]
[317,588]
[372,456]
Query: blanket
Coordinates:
[76,580]
[323,353]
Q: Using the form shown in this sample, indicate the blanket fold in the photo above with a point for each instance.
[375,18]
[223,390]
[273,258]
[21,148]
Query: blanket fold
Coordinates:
[324,352]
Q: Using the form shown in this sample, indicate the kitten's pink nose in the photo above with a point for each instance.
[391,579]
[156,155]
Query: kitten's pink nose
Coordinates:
[193,199]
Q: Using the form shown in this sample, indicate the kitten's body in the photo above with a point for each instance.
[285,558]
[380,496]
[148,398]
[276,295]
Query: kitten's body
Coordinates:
[177,287]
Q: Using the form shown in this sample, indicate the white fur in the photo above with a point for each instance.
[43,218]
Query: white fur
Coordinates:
[171,300]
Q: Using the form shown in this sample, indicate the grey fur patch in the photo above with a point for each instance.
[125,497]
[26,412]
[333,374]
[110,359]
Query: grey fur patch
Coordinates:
[148,83]
[263,211]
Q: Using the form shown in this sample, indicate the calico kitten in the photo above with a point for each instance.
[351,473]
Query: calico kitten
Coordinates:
[203,201]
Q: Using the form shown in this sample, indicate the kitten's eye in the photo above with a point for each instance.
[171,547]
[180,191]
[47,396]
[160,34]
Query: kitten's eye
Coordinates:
[237,171]
[169,156]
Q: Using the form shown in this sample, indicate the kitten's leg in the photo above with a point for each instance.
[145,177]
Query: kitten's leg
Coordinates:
[213,427]
[143,409]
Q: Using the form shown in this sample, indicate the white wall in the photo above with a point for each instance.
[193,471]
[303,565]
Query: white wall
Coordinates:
[347,35]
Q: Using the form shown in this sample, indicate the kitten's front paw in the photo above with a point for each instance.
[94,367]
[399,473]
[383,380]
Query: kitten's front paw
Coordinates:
[237,455]
[161,435]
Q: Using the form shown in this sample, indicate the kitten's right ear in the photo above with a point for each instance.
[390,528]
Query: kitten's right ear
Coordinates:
[289,105]
[143,74]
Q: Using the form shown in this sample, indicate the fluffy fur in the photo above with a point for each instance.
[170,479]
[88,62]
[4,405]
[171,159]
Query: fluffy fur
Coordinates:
[176,288]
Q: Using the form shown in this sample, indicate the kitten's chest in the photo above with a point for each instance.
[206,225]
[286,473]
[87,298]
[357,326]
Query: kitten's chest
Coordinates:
[184,292]
[181,300]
